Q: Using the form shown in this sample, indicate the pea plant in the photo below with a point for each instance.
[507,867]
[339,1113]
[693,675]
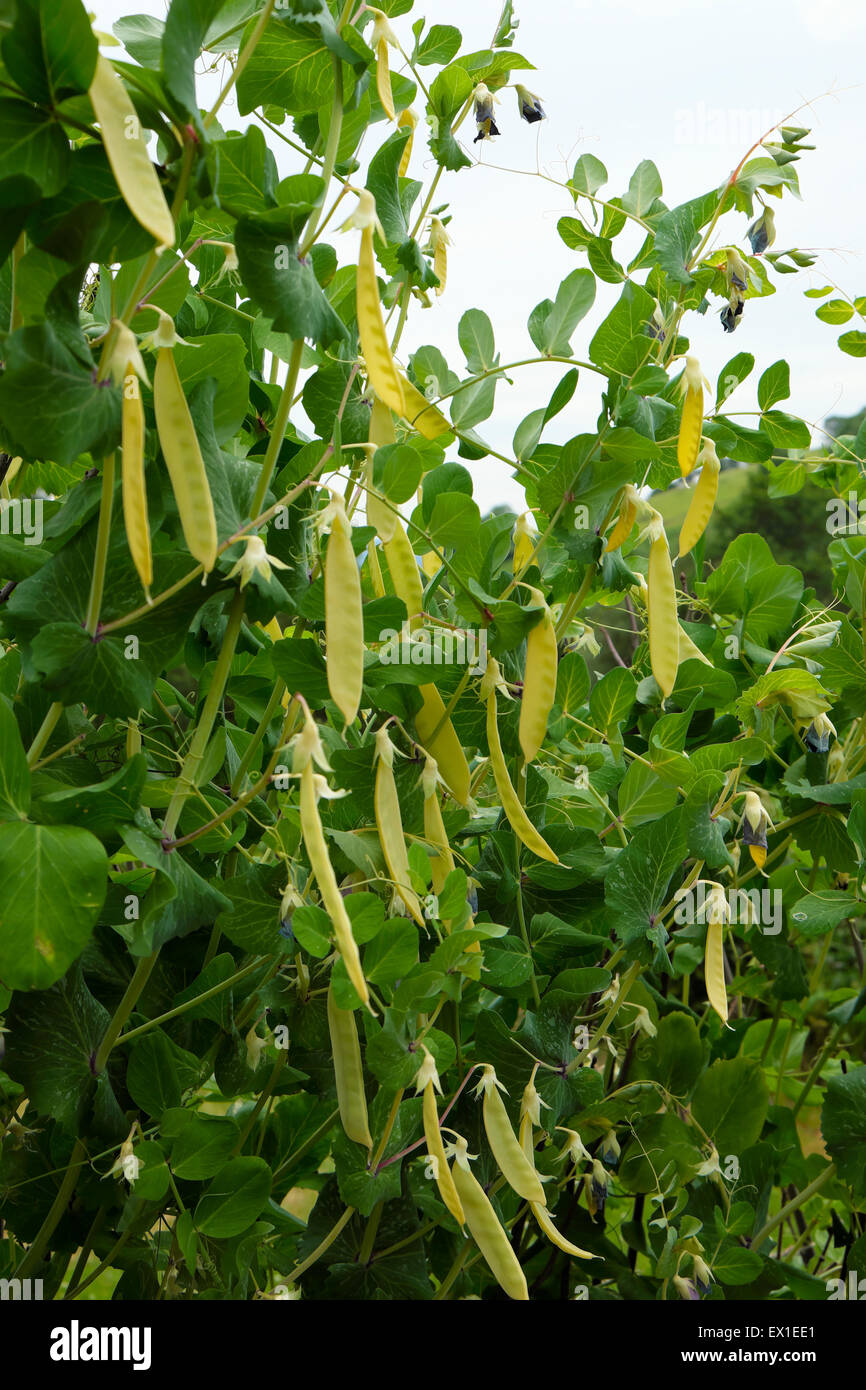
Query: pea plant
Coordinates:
[363,933]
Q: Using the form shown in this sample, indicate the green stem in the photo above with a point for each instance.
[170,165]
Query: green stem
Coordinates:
[243,59]
[278,430]
[828,1047]
[103,1265]
[84,1253]
[201,737]
[792,1206]
[44,732]
[331,151]
[370,1230]
[139,979]
[323,1246]
[288,1164]
[30,1264]
[257,1108]
[103,537]
[190,1003]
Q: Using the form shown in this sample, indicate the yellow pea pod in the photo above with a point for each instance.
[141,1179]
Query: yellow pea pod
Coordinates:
[688,651]
[349,1073]
[344,617]
[703,499]
[518,1171]
[403,564]
[443,745]
[627,517]
[375,570]
[381,432]
[389,823]
[408,118]
[427,419]
[383,79]
[486,1229]
[436,1150]
[717,913]
[135,516]
[514,811]
[440,241]
[326,880]
[127,153]
[442,862]
[275,632]
[556,1237]
[383,374]
[539,682]
[525,541]
[692,422]
[180,449]
[664,628]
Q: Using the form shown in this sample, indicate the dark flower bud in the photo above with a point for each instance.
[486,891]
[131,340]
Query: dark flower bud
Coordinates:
[762,232]
[530,105]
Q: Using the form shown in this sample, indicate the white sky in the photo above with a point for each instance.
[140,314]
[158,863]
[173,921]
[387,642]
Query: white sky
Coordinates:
[679,82]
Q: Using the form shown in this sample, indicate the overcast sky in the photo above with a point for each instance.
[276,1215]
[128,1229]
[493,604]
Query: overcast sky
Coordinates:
[689,85]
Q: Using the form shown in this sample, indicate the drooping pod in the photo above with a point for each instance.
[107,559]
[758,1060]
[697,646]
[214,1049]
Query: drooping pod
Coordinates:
[626,519]
[389,823]
[688,651]
[381,368]
[134,491]
[326,880]
[427,419]
[514,812]
[513,1163]
[408,118]
[381,37]
[403,565]
[180,449]
[349,1073]
[438,737]
[717,914]
[381,432]
[692,422]
[539,681]
[127,153]
[427,1081]
[664,627]
[442,862]
[525,542]
[439,243]
[703,498]
[344,617]
[485,1227]
[375,570]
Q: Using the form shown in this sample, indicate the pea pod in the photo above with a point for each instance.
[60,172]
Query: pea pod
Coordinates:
[486,1229]
[381,432]
[692,422]
[443,745]
[180,449]
[436,1150]
[541,1213]
[405,577]
[344,617]
[539,682]
[427,419]
[408,118]
[127,153]
[381,369]
[135,516]
[442,862]
[349,1073]
[625,522]
[703,499]
[664,628]
[717,913]
[375,570]
[389,823]
[525,541]
[381,36]
[513,1163]
[514,811]
[323,872]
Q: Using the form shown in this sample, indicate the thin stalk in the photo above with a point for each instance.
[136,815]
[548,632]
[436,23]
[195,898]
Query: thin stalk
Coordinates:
[323,1246]
[103,536]
[36,1252]
[795,1203]
[139,979]
[278,430]
[43,733]
[190,1003]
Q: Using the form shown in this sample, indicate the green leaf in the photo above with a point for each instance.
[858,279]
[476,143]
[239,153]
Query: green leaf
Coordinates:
[552,322]
[50,403]
[53,1037]
[853,343]
[658,1140]
[843,1125]
[283,285]
[611,702]
[834,311]
[636,886]
[734,1265]
[158,1073]
[621,343]
[100,807]
[786,431]
[774,385]
[292,66]
[51,50]
[441,43]
[201,1144]
[589,175]
[235,1199]
[14,772]
[141,36]
[186,24]
[732,374]
[645,186]
[475,335]
[730,1103]
[52,885]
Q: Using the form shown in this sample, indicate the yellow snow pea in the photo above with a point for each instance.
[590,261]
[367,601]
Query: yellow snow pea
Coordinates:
[349,1073]
[326,880]
[664,627]
[539,681]
[135,516]
[389,823]
[485,1227]
[514,811]
[691,424]
[127,153]
[180,449]
[344,618]
[703,498]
